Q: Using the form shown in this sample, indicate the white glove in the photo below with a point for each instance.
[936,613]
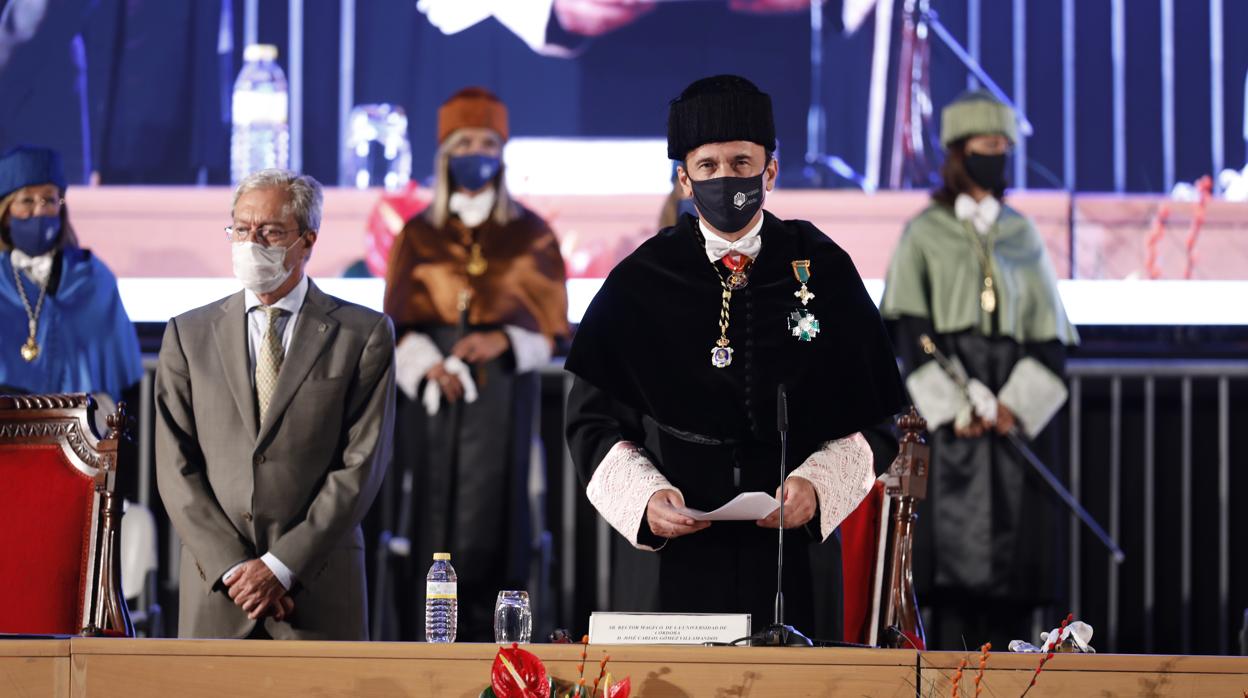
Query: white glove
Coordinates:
[433,392]
[982,400]
[964,416]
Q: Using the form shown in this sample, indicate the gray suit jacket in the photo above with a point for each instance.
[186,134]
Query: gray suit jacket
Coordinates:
[296,485]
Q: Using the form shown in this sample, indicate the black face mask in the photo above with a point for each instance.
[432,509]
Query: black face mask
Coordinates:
[987,171]
[728,203]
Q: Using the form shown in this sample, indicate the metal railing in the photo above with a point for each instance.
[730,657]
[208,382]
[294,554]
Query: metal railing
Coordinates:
[1108,378]
[1101,391]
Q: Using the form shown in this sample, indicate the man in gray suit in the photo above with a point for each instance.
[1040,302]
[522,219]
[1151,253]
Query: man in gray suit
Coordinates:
[275,412]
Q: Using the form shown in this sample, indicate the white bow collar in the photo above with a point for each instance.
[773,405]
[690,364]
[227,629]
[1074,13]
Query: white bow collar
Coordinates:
[37,269]
[717,248]
[982,214]
[473,209]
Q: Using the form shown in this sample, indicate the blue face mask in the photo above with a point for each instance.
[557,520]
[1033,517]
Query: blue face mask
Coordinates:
[35,235]
[472,172]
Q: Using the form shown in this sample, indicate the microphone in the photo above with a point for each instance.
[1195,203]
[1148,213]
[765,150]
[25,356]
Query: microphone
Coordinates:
[779,634]
[782,425]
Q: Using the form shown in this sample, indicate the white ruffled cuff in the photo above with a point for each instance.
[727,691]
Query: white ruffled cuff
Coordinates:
[413,357]
[936,396]
[531,349]
[1034,394]
[843,472]
[622,486]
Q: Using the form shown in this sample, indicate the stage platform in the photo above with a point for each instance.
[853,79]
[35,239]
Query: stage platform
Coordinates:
[168,247]
[82,668]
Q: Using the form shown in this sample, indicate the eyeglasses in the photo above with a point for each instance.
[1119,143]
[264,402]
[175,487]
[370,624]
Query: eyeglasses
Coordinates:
[34,203]
[267,235]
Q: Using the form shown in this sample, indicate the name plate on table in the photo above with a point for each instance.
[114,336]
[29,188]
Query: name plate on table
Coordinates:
[667,628]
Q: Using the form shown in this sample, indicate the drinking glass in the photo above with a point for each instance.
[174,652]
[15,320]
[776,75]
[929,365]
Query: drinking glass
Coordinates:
[513,620]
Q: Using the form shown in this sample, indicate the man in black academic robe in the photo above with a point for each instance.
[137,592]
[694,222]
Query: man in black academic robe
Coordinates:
[677,365]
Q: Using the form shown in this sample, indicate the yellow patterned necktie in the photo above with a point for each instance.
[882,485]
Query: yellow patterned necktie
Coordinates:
[268,360]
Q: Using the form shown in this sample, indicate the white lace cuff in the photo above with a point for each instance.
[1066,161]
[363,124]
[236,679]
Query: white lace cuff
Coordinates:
[531,349]
[843,472]
[622,486]
[1034,394]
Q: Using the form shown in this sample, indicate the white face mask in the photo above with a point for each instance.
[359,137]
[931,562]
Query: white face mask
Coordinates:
[260,269]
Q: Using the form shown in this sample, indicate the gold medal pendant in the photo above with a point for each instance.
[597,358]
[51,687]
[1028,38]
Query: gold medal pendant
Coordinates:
[721,354]
[476,261]
[30,350]
[988,297]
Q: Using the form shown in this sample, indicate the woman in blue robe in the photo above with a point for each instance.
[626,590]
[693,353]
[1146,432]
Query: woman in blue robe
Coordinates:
[64,326]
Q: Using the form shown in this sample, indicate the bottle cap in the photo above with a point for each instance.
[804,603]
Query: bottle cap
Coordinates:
[260,52]
[441,556]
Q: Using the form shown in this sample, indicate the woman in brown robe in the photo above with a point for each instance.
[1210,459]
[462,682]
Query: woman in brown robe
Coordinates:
[476,289]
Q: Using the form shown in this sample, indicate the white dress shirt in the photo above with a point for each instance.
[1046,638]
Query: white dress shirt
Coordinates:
[257,325]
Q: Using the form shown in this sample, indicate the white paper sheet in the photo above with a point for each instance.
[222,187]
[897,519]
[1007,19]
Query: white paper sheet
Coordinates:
[747,506]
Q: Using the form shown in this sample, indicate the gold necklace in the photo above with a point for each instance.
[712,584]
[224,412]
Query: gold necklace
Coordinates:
[988,294]
[721,353]
[30,350]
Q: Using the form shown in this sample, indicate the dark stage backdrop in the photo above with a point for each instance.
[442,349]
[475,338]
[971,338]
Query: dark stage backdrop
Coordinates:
[135,89]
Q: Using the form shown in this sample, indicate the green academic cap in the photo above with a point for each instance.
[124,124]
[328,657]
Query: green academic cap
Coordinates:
[976,113]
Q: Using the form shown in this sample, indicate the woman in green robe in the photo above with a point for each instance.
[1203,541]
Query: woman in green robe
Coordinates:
[973,274]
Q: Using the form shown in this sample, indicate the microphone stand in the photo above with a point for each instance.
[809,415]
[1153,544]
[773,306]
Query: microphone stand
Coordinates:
[820,165]
[778,634]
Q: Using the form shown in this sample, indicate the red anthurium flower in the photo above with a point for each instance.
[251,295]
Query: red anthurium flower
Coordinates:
[518,674]
[619,690]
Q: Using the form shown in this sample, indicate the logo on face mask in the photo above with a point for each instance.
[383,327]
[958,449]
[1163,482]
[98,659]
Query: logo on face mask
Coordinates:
[739,200]
[473,172]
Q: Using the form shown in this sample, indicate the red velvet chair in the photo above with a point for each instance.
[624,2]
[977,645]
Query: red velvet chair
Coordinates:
[59,523]
[862,568]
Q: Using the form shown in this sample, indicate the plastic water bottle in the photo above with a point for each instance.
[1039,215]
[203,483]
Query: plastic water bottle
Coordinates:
[261,136]
[441,600]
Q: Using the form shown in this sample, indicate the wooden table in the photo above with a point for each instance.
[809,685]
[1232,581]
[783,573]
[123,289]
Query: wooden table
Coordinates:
[90,668]
[241,669]
[34,668]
